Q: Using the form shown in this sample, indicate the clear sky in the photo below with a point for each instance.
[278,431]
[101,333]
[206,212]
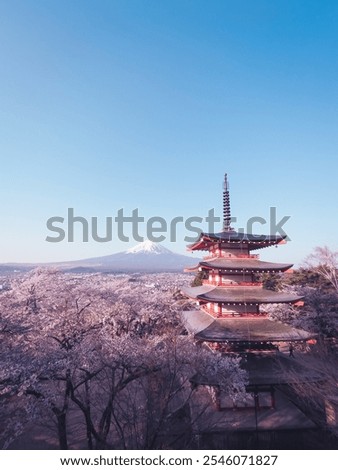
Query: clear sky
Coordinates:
[109,104]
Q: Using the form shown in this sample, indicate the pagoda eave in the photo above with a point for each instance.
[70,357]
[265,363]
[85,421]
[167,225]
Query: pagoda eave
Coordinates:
[267,370]
[240,329]
[239,295]
[254,242]
[243,264]
[192,269]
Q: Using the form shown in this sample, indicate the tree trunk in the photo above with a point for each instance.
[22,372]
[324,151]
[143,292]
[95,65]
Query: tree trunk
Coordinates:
[62,431]
[89,431]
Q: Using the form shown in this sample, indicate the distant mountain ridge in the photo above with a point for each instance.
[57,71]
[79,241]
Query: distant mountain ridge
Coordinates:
[144,257]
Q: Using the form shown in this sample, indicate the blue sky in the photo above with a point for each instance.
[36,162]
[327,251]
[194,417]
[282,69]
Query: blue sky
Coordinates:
[145,104]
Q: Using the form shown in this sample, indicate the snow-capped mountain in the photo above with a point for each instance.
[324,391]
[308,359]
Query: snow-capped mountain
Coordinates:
[144,257]
[148,247]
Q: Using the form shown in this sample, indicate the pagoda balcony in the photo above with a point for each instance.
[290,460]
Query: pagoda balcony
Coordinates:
[217,314]
[218,255]
[227,284]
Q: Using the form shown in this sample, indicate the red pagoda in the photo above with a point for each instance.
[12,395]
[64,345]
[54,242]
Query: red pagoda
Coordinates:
[231,299]
[231,319]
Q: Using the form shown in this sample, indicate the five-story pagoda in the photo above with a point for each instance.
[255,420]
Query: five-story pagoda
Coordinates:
[231,318]
[231,299]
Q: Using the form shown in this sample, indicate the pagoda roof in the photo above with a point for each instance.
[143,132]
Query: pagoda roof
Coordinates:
[268,369]
[240,329]
[231,236]
[247,264]
[239,295]
[285,416]
[277,369]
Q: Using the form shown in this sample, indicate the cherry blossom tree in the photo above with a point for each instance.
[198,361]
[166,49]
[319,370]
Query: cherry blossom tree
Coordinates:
[324,262]
[104,348]
[143,383]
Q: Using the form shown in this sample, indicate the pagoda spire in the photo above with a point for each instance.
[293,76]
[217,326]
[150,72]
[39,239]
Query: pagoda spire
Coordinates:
[226,206]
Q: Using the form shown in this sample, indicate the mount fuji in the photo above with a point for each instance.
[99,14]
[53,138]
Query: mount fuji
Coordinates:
[148,247]
[144,257]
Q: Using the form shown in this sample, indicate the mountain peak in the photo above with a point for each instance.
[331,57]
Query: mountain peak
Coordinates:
[148,247]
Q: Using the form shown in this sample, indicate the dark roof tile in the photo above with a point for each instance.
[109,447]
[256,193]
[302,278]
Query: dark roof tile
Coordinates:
[253,295]
[239,329]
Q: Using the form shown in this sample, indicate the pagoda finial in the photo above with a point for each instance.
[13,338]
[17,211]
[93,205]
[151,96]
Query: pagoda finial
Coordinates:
[226,206]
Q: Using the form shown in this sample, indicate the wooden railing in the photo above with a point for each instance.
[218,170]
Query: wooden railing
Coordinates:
[213,256]
[248,314]
[227,284]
